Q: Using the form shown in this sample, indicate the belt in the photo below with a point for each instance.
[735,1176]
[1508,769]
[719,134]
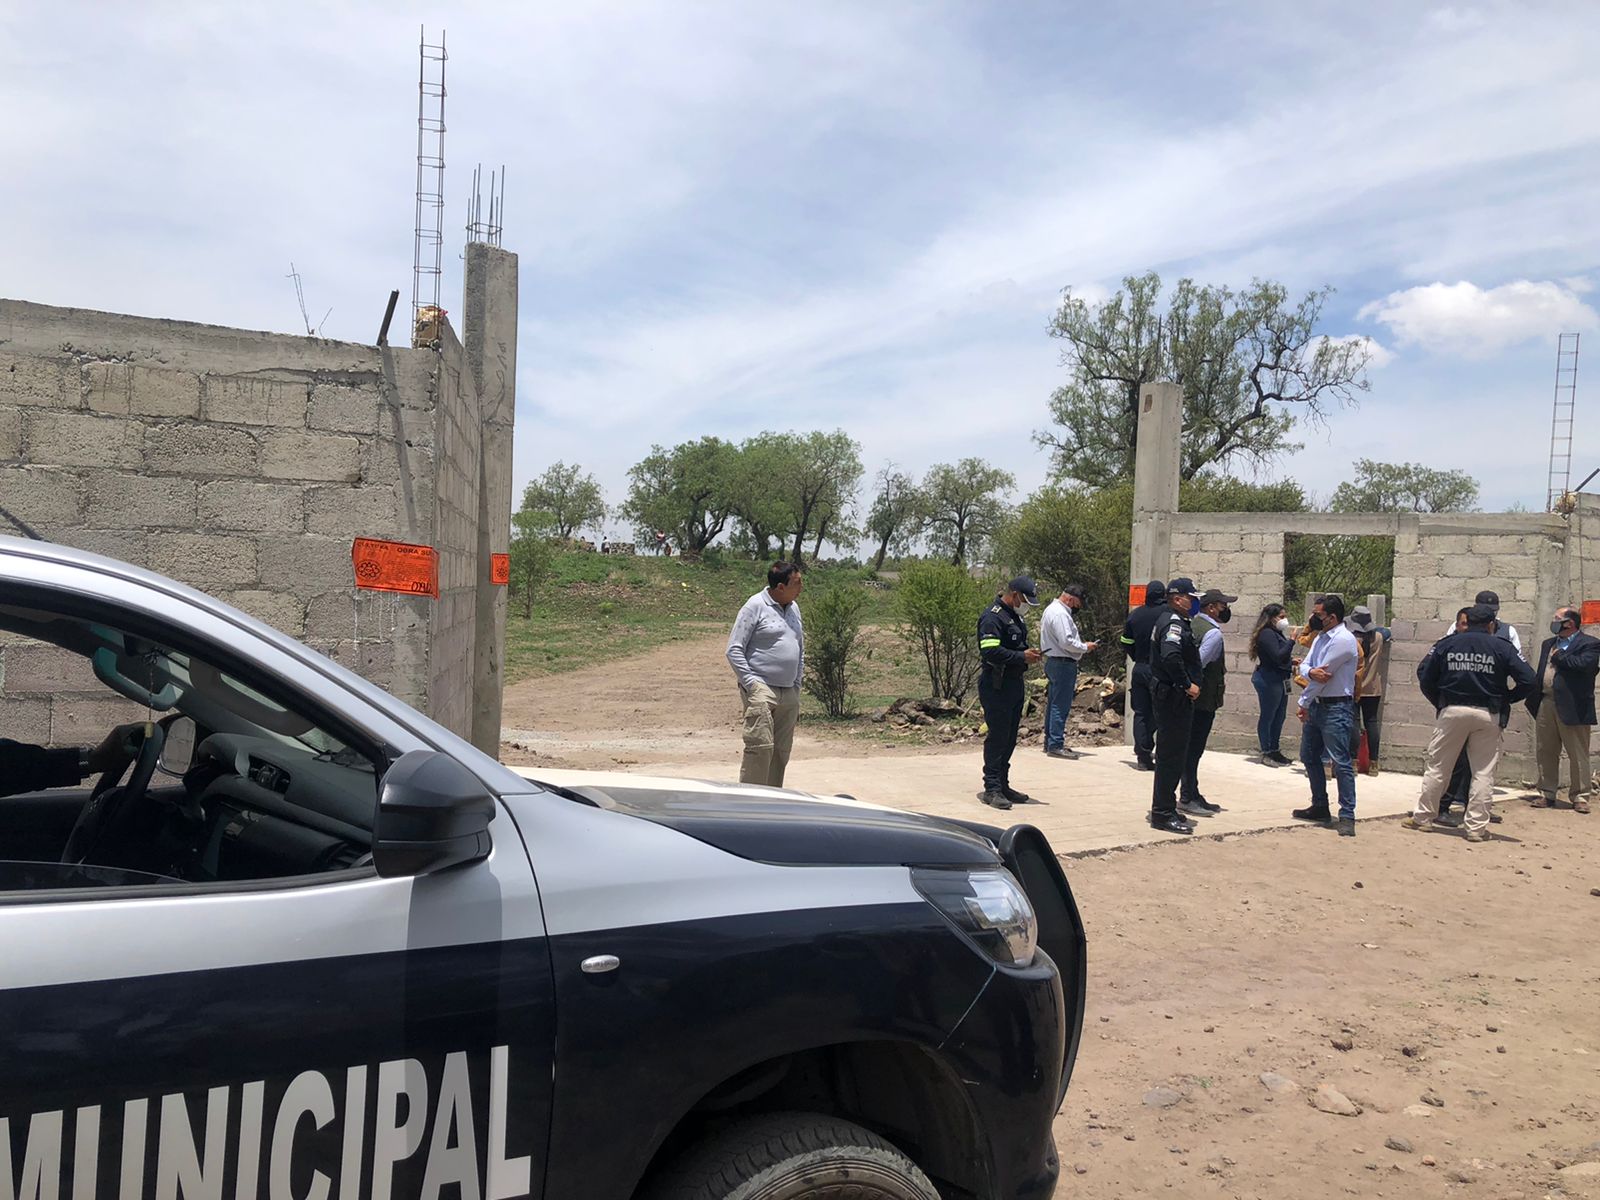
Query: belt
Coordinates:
[1333,700]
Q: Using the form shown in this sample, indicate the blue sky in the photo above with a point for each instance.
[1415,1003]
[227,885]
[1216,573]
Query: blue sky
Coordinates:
[741,216]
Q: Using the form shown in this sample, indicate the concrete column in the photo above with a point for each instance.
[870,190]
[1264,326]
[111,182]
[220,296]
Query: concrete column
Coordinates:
[490,312]
[1156,466]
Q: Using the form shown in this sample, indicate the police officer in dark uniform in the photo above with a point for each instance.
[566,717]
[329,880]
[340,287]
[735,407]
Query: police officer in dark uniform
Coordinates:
[1005,654]
[1175,682]
[1136,644]
[1472,678]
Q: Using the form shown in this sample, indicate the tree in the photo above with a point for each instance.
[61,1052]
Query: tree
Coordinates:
[895,513]
[764,462]
[833,646]
[572,498]
[939,605]
[1405,487]
[687,491]
[1246,362]
[532,553]
[962,506]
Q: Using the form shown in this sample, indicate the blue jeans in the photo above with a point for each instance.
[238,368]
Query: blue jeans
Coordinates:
[1274,707]
[1328,731]
[1063,676]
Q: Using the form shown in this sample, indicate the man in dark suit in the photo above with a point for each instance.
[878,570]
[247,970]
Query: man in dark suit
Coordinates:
[1563,708]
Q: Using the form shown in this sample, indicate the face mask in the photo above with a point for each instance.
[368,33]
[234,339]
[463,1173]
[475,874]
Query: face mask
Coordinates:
[1557,626]
[1194,605]
[1283,625]
[1320,623]
[1225,615]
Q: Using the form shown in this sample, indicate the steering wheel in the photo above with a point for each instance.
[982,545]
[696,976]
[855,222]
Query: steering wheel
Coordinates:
[108,801]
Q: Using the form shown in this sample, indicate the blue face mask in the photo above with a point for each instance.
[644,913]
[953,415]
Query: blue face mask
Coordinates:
[1194,605]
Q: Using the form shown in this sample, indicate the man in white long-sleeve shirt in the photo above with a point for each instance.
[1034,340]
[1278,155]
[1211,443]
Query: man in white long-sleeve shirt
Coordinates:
[1063,648]
[1327,714]
[766,650]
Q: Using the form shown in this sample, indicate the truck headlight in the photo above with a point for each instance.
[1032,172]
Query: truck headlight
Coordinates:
[988,907]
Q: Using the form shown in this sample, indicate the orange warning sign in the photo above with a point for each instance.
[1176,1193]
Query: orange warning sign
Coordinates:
[500,569]
[1135,595]
[1591,612]
[396,567]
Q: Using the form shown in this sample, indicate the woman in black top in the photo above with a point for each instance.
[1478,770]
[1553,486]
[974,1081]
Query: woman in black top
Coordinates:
[1272,652]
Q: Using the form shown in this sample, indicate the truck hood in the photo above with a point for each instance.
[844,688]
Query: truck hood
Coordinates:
[776,825]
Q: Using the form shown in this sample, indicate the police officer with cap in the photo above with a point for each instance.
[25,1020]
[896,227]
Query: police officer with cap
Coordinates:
[1461,777]
[1136,644]
[1006,656]
[1175,682]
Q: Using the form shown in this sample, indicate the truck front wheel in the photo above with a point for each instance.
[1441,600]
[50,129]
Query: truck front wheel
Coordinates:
[793,1156]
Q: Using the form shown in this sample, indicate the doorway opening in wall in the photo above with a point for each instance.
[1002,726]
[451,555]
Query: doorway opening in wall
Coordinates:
[1347,564]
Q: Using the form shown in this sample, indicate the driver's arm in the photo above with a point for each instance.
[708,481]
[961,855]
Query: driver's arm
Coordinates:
[25,768]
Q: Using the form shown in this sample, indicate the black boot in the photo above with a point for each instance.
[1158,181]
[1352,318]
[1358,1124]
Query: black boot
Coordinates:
[1312,813]
[994,798]
[1015,796]
[1170,823]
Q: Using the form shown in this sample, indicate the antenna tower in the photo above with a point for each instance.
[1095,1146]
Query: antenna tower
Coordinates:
[428,249]
[481,228]
[1561,417]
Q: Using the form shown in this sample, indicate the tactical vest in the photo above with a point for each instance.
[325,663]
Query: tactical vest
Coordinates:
[1213,675]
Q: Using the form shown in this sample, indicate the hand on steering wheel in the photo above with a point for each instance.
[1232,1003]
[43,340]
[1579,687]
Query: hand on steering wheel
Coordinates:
[142,739]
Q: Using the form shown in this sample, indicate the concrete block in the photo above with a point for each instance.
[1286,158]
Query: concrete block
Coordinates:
[42,669]
[190,449]
[114,387]
[210,562]
[248,400]
[10,433]
[1261,542]
[48,499]
[354,512]
[1437,587]
[1407,735]
[68,439]
[125,545]
[281,610]
[372,660]
[78,721]
[344,409]
[256,507]
[38,382]
[1416,609]
[26,721]
[119,500]
[1404,586]
[305,565]
[1236,565]
[387,461]
[319,458]
[1267,586]
[1499,543]
[352,613]
[1451,544]
[1198,565]
[1514,566]
[1403,630]
[1528,589]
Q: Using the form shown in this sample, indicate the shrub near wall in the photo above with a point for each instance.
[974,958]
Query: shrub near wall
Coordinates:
[833,641]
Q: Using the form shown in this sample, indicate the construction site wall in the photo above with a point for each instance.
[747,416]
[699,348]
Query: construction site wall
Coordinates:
[1534,561]
[245,464]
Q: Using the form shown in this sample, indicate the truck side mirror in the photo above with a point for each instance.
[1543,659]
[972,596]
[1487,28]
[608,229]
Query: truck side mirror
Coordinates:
[433,813]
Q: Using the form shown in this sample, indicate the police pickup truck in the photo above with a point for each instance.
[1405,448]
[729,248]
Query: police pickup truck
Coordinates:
[302,942]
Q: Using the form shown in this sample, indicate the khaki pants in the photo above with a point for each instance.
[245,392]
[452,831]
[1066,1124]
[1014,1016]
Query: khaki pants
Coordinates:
[770,715]
[1458,726]
[1552,738]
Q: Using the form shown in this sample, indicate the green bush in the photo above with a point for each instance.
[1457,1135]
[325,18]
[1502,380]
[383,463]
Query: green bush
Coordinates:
[939,605]
[833,641]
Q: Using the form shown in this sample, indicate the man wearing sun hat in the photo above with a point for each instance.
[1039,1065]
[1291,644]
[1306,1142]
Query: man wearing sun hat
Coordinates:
[1006,656]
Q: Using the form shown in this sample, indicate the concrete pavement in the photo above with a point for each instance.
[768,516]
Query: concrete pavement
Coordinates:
[1096,802]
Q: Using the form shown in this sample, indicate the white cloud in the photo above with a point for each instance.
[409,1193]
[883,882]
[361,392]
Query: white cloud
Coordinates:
[1378,356]
[1464,318]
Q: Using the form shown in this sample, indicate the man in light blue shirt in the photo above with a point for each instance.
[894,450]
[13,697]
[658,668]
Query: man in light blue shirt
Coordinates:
[1328,713]
[766,650]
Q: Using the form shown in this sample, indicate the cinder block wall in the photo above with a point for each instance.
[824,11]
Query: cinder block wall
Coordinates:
[1441,562]
[244,464]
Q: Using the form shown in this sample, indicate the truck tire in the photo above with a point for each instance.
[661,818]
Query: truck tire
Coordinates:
[793,1156]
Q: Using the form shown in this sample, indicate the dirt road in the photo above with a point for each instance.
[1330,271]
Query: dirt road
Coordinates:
[1466,974]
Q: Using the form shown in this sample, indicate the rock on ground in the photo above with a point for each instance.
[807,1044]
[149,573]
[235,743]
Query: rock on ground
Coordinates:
[1330,1099]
